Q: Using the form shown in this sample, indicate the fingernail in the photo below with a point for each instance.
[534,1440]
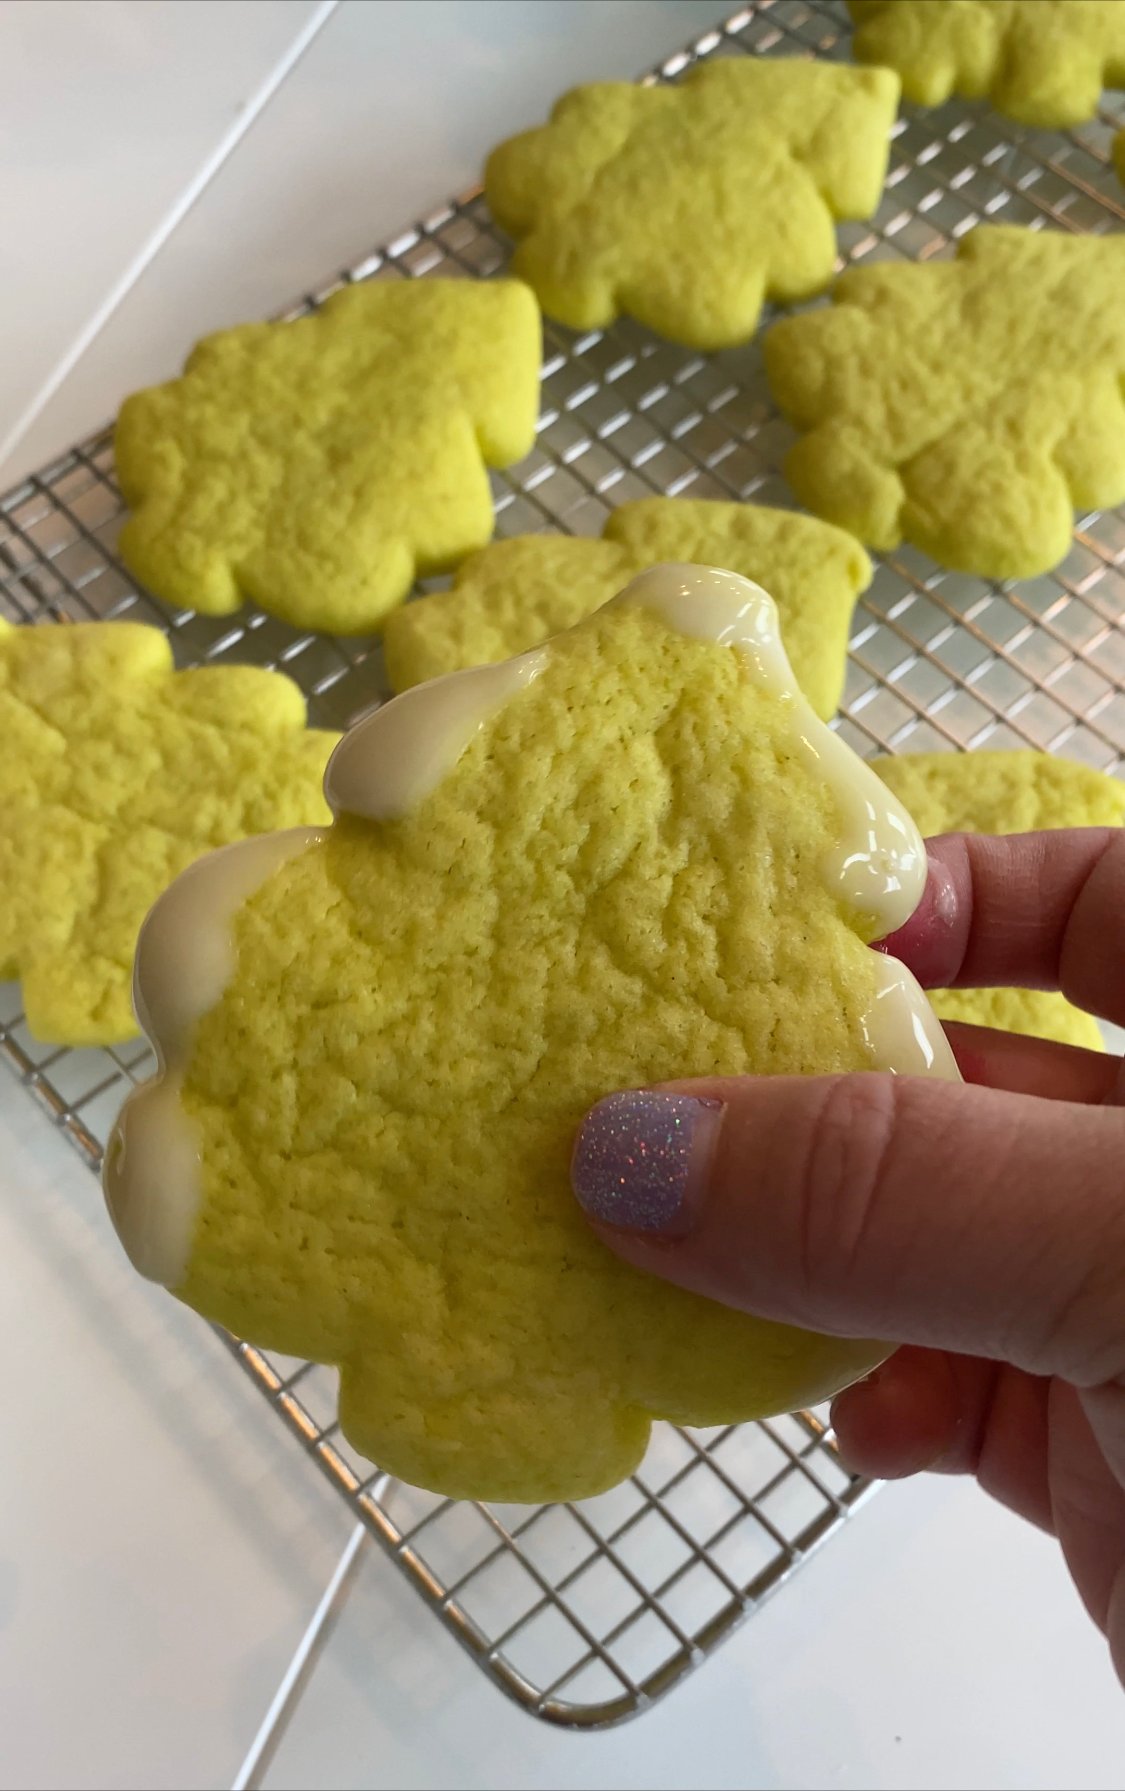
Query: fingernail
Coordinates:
[929,925]
[641,1158]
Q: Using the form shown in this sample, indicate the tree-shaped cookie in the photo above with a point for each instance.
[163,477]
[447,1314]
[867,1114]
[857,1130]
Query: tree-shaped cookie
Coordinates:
[515,593]
[315,467]
[1044,62]
[631,854]
[686,206]
[116,773]
[968,406]
[1007,792]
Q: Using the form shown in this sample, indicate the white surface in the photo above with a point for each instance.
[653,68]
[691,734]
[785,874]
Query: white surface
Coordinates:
[162,1541]
[389,112]
[84,198]
[930,1645]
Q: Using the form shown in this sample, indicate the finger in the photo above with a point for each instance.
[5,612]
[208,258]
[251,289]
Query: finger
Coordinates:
[903,1418]
[1030,1066]
[1030,910]
[953,1415]
[1088,1507]
[930,1212]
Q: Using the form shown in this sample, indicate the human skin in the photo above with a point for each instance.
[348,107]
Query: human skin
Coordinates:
[981,1224]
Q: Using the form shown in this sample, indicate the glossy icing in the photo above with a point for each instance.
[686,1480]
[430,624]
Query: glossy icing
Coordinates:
[387,763]
[184,960]
[881,869]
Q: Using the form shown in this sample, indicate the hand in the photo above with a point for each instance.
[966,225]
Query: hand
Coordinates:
[982,1226]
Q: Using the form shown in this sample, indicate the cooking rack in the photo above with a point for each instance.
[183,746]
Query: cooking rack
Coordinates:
[586,1613]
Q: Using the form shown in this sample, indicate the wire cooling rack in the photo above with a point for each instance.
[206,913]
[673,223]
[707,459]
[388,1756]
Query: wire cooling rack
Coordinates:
[586,1613]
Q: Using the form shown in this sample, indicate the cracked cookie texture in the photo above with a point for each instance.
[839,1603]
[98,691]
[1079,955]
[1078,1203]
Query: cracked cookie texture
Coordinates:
[116,773]
[316,467]
[969,406]
[1007,792]
[621,879]
[1043,62]
[688,205]
[516,593]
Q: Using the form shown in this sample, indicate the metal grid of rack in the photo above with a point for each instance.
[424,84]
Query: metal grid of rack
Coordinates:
[586,1613]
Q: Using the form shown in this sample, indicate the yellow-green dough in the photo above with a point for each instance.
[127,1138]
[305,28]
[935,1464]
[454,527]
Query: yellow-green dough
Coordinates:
[688,205]
[116,773]
[1007,792]
[1040,1013]
[516,593]
[316,467]
[967,406]
[1001,792]
[620,880]
[1044,62]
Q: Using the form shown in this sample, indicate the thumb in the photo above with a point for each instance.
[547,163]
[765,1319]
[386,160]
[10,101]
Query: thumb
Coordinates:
[916,1210]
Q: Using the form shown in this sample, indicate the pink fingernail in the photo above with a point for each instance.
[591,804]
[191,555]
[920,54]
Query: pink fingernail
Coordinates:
[921,942]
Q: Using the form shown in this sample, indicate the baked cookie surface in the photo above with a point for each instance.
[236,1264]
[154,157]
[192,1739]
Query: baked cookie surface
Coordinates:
[687,206]
[516,593]
[630,854]
[315,467]
[1016,791]
[1043,62]
[968,407]
[116,773]
[1039,1013]
[1007,792]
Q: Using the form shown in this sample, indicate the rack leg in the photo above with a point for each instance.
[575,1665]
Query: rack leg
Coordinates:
[305,1657]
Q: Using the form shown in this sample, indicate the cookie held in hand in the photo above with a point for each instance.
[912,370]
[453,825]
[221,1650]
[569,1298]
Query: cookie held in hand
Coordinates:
[687,206]
[631,854]
[117,772]
[316,467]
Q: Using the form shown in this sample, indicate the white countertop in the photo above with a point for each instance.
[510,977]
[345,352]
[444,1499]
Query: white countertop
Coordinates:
[163,1542]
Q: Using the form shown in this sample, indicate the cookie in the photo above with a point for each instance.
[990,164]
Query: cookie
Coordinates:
[968,407]
[1001,792]
[1007,792]
[1040,1013]
[516,593]
[1044,62]
[630,854]
[687,206]
[316,467]
[116,773]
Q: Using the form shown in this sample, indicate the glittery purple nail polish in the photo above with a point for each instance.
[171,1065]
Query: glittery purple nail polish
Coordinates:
[639,1156]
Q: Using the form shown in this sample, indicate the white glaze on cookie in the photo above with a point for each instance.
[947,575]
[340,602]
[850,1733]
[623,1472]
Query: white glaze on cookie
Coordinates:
[903,1033]
[880,870]
[387,763]
[185,959]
